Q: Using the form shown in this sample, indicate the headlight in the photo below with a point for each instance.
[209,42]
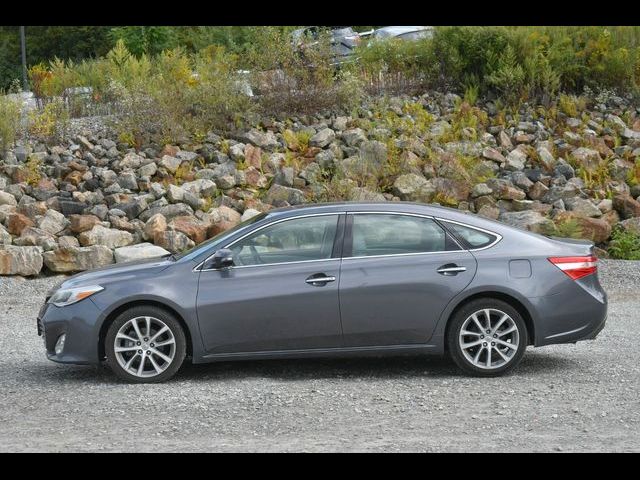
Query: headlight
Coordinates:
[69,296]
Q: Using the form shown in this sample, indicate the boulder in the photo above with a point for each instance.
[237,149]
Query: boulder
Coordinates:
[76,259]
[528,220]
[223,218]
[626,206]
[82,223]
[5,236]
[7,199]
[141,251]
[173,241]
[53,222]
[170,163]
[323,138]
[25,261]
[108,237]
[16,223]
[190,226]
[279,195]
[582,207]
[156,224]
[265,140]
[414,187]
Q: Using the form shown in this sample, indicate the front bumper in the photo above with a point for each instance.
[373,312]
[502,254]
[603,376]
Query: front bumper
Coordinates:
[79,323]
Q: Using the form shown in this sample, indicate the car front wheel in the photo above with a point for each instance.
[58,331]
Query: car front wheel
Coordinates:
[145,344]
[487,337]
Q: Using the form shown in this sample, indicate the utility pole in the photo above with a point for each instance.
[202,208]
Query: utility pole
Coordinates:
[23,47]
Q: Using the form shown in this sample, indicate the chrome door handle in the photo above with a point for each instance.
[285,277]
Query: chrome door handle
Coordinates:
[453,270]
[314,280]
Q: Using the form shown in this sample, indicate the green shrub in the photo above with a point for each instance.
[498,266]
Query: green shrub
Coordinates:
[625,245]
[9,122]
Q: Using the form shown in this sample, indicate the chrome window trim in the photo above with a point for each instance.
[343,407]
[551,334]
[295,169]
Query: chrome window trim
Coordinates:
[430,217]
[197,268]
[497,235]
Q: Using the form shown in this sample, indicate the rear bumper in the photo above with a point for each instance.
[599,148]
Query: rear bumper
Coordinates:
[569,317]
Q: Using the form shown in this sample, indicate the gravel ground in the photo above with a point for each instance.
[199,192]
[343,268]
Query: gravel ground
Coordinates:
[582,397]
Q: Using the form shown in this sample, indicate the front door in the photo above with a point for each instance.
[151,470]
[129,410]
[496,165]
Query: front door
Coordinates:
[397,277]
[282,292]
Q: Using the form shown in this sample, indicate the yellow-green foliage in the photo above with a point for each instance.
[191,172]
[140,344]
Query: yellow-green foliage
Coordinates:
[9,122]
[633,176]
[49,123]
[33,168]
[569,228]
[571,105]
[184,173]
[466,119]
[297,141]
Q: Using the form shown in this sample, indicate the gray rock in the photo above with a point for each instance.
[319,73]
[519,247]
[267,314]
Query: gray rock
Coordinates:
[528,220]
[76,259]
[354,137]
[5,236]
[173,241]
[53,222]
[265,140]
[25,261]
[7,199]
[323,138]
[128,180]
[414,187]
[325,158]
[516,160]
[148,170]
[582,207]
[131,160]
[141,251]
[175,194]
[108,237]
[202,187]
[480,190]
[279,195]
[170,163]
[249,213]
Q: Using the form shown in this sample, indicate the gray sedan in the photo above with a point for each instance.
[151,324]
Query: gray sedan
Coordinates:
[333,280]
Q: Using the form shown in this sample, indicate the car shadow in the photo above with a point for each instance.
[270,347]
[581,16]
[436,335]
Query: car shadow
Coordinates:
[380,368]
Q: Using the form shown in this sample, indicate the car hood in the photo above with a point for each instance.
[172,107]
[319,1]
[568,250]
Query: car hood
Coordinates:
[117,272]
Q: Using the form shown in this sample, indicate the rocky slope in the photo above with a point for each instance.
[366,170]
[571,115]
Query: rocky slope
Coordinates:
[92,200]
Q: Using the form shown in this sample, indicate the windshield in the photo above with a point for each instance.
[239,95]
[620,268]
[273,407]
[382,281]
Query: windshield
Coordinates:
[198,249]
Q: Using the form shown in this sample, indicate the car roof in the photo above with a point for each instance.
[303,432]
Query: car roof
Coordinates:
[399,30]
[433,210]
[397,207]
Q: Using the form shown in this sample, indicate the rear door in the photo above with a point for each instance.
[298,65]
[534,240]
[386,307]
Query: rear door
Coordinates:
[398,273]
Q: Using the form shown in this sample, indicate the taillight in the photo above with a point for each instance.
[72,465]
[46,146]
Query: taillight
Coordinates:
[576,267]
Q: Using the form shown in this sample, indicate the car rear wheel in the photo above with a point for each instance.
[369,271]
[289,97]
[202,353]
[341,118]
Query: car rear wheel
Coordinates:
[145,344]
[487,337]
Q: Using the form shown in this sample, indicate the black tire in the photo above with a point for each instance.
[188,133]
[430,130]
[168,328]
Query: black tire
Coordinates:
[146,311]
[455,326]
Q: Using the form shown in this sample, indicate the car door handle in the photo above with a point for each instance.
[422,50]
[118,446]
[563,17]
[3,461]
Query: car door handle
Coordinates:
[320,280]
[451,269]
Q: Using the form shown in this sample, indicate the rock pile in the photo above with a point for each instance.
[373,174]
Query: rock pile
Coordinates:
[92,201]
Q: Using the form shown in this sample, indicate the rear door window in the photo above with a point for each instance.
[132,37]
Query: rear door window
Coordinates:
[472,237]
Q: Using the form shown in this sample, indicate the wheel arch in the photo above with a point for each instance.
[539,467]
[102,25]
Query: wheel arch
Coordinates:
[137,303]
[498,295]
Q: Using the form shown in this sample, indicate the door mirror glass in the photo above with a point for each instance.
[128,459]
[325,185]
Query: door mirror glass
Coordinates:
[223,258]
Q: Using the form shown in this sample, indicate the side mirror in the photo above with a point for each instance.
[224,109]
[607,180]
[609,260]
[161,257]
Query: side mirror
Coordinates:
[223,258]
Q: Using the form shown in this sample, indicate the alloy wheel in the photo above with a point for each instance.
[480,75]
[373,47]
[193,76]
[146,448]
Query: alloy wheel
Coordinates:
[145,347]
[489,338]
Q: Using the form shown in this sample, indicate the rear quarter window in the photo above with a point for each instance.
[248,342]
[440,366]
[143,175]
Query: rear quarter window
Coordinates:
[472,237]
